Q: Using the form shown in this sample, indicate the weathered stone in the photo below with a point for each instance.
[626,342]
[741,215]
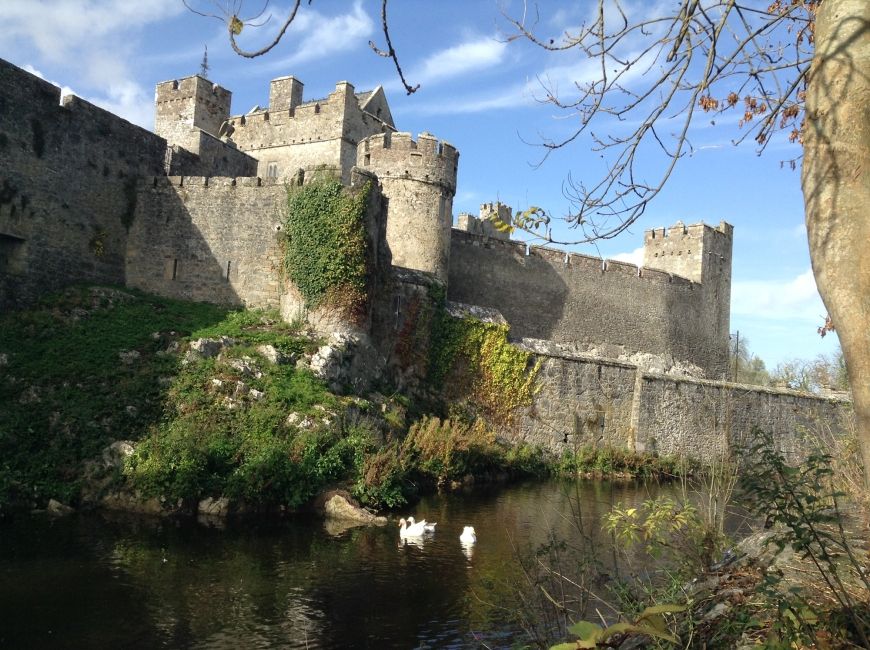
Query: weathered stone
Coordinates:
[114,456]
[338,507]
[214,507]
[274,355]
[717,611]
[246,366]
[58,509]
[129,356]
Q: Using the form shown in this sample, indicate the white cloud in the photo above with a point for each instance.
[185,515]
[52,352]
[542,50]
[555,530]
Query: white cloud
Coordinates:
[126,99]
[60,29]
[317,36]
[471,56]
[634,257]
[792,299]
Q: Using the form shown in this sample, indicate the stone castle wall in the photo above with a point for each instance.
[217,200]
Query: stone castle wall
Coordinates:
[571,298]
[600,402]
[208,239]
[418,180]
[322,133]
[67,188]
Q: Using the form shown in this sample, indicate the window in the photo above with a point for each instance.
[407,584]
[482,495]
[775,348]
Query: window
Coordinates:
[272,170]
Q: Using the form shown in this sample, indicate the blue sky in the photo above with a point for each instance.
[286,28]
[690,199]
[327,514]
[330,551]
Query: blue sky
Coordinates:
[480,92]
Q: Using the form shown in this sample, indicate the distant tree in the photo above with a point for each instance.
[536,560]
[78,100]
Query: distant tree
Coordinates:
[747,368]
[794,65]
[819,375]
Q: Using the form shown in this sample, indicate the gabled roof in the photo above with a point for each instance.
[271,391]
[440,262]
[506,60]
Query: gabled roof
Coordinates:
[374,102]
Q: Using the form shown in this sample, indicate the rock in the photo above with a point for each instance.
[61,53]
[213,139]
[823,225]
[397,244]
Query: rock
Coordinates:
[299,421]
[207,348]
[347,361]
[256,395]
[115,454]
[4,359]
[214,507]
[340,508]
[274,355]
[129,356]
[246,366]
[30,396]
[58,509]
[718,610]
[241,389]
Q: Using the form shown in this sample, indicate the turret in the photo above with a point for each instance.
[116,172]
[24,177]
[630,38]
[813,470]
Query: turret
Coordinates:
[418,179]
[285,93]
[184,104]
[702,254]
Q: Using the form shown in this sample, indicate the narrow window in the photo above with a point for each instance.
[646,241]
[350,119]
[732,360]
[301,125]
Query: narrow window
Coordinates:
[367,159]
[229,266]
[175,269]
[272,170]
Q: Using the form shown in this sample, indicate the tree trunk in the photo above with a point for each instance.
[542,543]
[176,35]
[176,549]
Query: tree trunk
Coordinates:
[836,186]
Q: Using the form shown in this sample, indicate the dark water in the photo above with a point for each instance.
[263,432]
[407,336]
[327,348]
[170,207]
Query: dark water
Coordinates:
[93,581]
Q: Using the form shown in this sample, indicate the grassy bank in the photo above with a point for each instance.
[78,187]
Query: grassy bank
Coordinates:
[92,366]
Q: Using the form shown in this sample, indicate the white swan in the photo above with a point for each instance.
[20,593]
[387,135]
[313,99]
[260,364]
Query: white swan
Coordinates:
[427,527]
[468,535]
[414,530]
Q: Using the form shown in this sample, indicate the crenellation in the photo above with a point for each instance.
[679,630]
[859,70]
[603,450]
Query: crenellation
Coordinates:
[215,181]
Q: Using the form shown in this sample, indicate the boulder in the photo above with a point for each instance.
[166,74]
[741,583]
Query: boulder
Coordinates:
[58,509]
[340,507]
[214,507]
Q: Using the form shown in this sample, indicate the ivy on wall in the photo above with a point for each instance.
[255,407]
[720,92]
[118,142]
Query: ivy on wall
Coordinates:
[326,251]
[474,361]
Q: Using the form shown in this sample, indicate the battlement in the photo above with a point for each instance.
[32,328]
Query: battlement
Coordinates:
[190,87]
[695,230]
[183,105]
[209,181]
[569,262]
[697,251]
[398,155]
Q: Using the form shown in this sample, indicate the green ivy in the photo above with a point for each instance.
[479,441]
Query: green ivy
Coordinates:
[327,253]
[472,359]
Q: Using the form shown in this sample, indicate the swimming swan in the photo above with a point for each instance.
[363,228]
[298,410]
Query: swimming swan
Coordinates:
[468,535]
[414,530]
[427,527]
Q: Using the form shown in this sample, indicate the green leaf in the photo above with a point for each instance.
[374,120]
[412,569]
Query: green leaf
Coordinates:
[564,646]
[585,630]
[667,608]
[622,628]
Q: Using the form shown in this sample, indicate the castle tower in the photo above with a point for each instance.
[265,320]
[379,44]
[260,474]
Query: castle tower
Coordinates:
[185,104]
[702,254]
[285,94]
[418,180]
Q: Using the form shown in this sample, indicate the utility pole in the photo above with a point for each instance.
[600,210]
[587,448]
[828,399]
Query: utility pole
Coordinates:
[736,353]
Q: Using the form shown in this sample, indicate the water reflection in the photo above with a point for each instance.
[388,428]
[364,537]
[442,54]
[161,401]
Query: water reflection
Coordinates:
[95,581]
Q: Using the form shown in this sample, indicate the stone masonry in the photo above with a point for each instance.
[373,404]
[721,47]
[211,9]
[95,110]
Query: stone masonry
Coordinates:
[194,211]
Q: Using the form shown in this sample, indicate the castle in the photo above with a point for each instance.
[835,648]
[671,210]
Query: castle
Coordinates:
[193,211]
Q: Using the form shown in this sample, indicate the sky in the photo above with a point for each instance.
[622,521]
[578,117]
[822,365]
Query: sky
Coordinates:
[480,90]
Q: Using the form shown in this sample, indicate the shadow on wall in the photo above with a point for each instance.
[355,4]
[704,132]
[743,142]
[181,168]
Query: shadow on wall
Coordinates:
[67,188]
[499,274]
[208,240]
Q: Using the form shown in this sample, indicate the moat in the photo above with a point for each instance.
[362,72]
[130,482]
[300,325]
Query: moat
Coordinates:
[110,581]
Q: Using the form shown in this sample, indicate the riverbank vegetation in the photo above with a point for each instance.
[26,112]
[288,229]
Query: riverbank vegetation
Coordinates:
[222,402]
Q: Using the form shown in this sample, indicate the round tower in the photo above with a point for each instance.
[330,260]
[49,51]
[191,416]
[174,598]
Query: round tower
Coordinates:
[418,180]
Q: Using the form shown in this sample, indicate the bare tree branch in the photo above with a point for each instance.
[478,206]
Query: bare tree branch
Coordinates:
[684,58]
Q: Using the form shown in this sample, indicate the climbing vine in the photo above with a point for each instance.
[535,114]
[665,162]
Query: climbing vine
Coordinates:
[474,360]
[326,250]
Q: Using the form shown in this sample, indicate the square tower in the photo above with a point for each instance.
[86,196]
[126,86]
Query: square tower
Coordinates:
[182,105]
